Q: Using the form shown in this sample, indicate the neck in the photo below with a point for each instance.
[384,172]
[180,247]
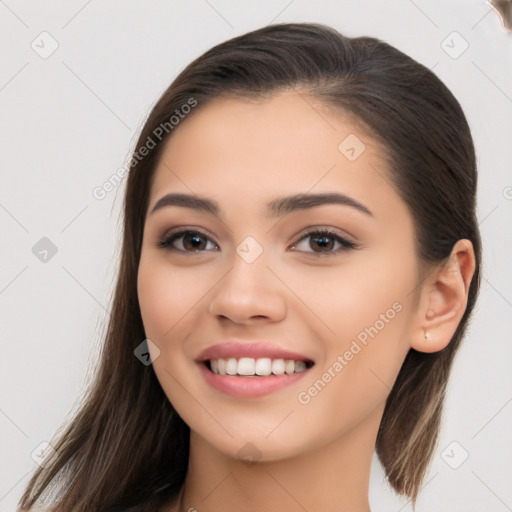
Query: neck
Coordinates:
[333,476]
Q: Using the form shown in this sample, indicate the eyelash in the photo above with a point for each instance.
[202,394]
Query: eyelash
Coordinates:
[169,238]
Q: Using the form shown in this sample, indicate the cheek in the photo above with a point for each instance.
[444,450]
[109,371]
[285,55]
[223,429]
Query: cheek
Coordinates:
[367,310]
[170,303]
[341,301]
[168,297]
[357,374]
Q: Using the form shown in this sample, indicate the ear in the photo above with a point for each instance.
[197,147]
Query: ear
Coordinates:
[443,299]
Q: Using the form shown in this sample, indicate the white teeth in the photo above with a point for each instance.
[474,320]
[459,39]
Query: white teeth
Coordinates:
[278,366]
[289,367]
[263,366]
[231,366]
[248,366]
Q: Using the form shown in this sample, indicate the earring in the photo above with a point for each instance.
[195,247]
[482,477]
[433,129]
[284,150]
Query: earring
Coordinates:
[427,336]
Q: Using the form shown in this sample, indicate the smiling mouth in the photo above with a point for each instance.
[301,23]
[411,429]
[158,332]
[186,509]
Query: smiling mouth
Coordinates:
[256,367]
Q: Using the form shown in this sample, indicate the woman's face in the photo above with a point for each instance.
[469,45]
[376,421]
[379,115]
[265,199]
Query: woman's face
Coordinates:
[252,276]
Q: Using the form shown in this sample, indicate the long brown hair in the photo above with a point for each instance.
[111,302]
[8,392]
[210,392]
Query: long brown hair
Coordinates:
[126,448]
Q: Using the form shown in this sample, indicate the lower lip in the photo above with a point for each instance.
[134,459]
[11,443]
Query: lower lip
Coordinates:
[249,387]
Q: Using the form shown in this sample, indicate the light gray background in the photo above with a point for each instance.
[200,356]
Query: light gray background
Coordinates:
[68,122]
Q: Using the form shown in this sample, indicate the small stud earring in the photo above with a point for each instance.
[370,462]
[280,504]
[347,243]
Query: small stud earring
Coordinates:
[427,336]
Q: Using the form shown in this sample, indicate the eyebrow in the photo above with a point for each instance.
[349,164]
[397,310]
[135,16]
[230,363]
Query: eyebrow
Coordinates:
[275,208]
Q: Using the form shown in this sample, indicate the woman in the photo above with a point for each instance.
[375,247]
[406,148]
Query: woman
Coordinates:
[300,260]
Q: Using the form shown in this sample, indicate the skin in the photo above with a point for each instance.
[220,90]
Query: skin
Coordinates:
[315,456]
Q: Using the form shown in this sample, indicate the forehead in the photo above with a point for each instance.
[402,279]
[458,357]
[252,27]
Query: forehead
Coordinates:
[289,143]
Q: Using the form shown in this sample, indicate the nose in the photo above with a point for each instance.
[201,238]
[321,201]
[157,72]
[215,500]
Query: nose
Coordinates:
[248,293]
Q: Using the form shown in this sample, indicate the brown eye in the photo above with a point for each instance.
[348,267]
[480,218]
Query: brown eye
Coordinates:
[191,241]
[325,240]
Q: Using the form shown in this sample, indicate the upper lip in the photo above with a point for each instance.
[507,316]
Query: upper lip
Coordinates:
[255,350]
